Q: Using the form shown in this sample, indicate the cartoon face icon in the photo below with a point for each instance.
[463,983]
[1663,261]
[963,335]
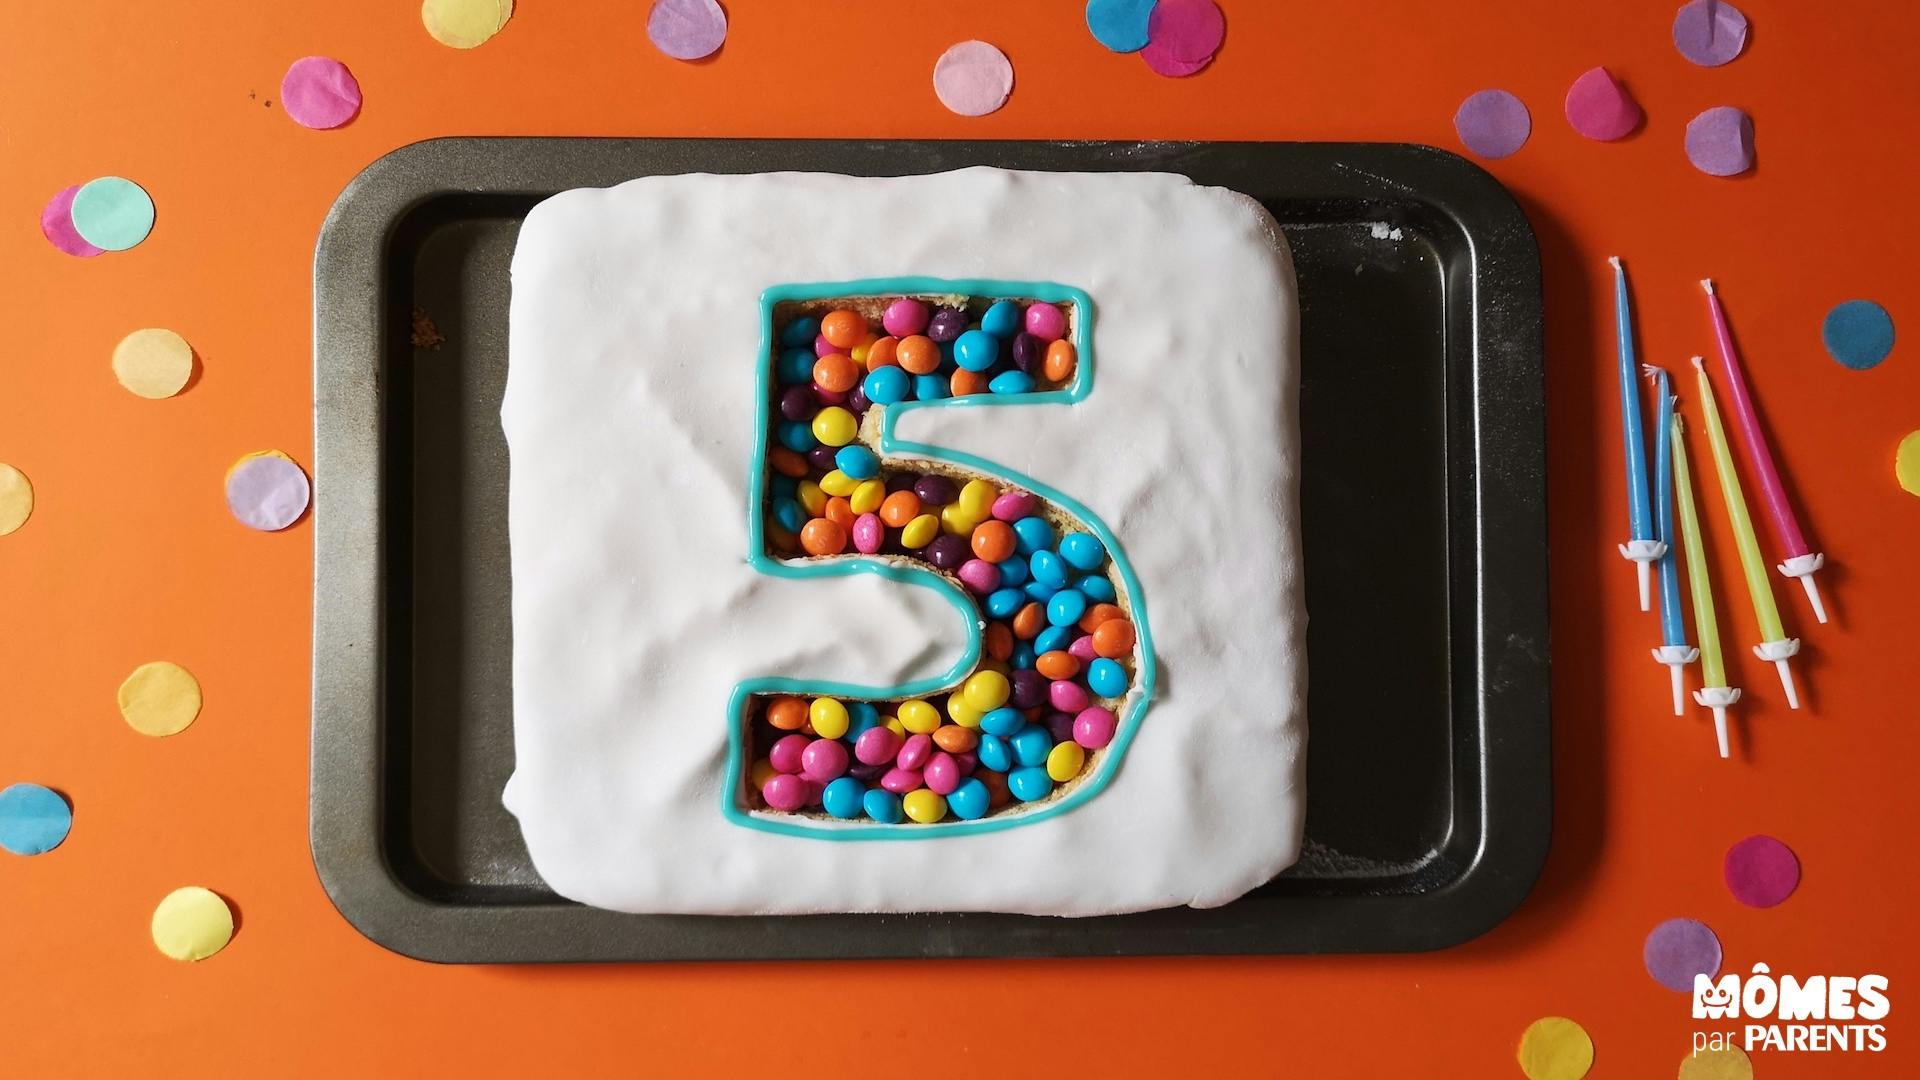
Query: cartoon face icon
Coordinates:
[1710,1000]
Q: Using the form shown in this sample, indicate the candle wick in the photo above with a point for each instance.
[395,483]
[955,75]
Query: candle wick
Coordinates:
[1700,363]
[1613,261]
[1652,371]
[1707,284]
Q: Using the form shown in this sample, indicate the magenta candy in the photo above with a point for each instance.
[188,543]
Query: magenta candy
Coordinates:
[1093,728]
[785,792]
[1068,696]
[876,746]
[823,760]
[827,397]
[915,751]
[1046,322]
[815,791]
[1060,726]
[966,761]
[943,774]
[1082,650]
[821,346]
[785,753]
[869,532]
[900,781]
[1015,505]
[905,316]
[980,575]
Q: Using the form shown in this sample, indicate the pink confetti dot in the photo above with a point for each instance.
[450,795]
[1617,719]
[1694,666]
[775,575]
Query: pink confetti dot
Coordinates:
[973,78]
[1760,871]
[1600,108]
[56,224]
[319,92]
[687,29]
[1182,36]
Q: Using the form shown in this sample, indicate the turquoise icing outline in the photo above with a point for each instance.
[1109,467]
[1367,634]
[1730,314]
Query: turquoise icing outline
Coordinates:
[757,557]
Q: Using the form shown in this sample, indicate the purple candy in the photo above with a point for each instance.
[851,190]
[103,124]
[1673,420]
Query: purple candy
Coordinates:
[869,533]
[1027,351]
[786,754]
[942,774]
[823,760]
[827,397]
[822,457]
[905,316]
[1060,726]
[796,403]
[857,401]
[877,746]
[1029,688]
[1493,123]
[901,481]
[948,552]
[1709,32]
[1068,696]
[1720,141]
[866,774]
[935,490]
[979,576]
[1093,727]
[900,781]
[946,324]
[966,761]
[1015,505]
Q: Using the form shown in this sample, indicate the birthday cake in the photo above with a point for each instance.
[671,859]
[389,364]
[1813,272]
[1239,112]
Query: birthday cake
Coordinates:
[908,544]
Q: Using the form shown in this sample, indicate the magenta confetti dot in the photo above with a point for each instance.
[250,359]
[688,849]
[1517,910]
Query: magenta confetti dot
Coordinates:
[267,492]
[1165,63]
[973,78]
[1709,32]
[1188,30]
[1761,871]
[1679,949]
[319,92]
[1493,123]
[1600,108]
[1720,141]
[687,29]
[56,224]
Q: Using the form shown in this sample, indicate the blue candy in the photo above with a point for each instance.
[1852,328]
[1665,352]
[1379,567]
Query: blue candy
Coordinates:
[1022,657]
[969,800]
[1053,639]
[975,351]
[783,487]
[844,797]
[1009,382]
[795,366]
[790,514]
[797,436]
[994,753]
[1001,603]
[1003,722]
[1066,607]
[887,385]
[1030,745]
[800,332]
[1003,319]
[929,388]
[1030,783]
[1083,550]
[861,715]
[857,461]
[1013,572]
[883,806]
[1106,678]
[1040,591]
[1098,588]
[1049,569]
[1032,535]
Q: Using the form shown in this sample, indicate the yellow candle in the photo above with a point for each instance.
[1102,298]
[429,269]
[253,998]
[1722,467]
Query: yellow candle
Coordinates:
[1759,585]
[1705,627]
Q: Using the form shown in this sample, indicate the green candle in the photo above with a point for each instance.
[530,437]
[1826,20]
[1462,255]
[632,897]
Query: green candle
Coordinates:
[1704,625]
[1759,586]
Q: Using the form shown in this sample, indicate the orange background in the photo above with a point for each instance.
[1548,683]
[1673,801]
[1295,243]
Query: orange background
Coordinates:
[131,555]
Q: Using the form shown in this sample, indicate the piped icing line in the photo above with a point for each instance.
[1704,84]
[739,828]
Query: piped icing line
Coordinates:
[892,448]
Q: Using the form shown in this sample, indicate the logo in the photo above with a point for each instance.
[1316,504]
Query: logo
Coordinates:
[1818,1014]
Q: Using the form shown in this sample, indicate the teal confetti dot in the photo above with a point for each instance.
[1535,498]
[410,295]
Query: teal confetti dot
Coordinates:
[33,819]
[112,213]
[1858,334]
[1120,25]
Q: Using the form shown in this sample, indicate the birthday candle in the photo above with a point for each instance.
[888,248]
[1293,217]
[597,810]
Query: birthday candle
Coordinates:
[1715,693]
[1775,645]
[1801,559]
[1673,651]
[1642,547]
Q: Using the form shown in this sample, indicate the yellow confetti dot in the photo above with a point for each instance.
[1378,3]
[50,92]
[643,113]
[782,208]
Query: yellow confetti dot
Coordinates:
[154,363]
[16,498]
[1555,1048]
[1906,466]
[465,24]
[160,699]
[1730,1063]
[192,923]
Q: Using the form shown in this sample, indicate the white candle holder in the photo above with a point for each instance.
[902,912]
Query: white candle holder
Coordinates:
[1803,567]
[1718,698]
[1779,652]
[1644,553]
[1677,657]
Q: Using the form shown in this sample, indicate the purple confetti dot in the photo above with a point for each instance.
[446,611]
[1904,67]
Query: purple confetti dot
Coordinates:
[687,29]
[1493,123]
[56,223]
[1709,32]
[1761,871]
[1720,141]
[1679,949]
[267,492]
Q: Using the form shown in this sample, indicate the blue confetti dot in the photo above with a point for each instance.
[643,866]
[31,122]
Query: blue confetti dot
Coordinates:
[1858,334]
[33,819]
[1120,25]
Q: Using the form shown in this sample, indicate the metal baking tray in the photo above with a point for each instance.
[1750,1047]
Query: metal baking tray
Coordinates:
[1429,799]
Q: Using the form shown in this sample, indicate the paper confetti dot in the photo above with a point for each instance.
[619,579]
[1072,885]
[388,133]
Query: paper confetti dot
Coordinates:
[1760,871]
[16,498]
[465,24]
[267,491]
[1189,30]
[1720,141]
[1679,949]
[160,699]
[56,224]
[687,29]
[1906,466]
[1493,123]
[319,92]
[973,78]
[33,819]
[1858,334]
[112,213]
[1555,1048]
[1727,1063]
[1120,25]
[1709,32]
[1600,108]
[153,363]
[192,923]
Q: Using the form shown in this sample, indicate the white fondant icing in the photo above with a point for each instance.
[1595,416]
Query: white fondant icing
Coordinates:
[629,413]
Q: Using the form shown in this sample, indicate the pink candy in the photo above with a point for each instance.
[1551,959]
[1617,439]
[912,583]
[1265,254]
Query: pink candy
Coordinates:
[905,316]
[869,533]
[1068,696]
[821,346]
[915,752]
[1015,505]
[1046,322]
[785,792]
[942,774]
[1094,727]
[823,760]
[900,781]
[1082,649]
[827,397]
[980,576]
[875,746]
[785,755]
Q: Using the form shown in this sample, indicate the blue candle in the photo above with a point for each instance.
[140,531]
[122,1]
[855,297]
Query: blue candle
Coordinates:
[1673,630]
[1639,507]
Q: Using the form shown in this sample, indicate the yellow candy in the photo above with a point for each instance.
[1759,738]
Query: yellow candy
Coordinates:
[893,724]
[868,496]
[763,771]
[918,533]
[812,499]
[1064,761]
[924,806]
[986,690]
[838,483]
[859,353]
[963,714]
[919,717]
[976,499]
[828,717]
[956,521]
[835,426]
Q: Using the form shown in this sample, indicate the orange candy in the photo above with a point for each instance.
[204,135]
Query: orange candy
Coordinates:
[843,328]
[787,463]
[1098,614]
[1058,365]
[884,352]
[1029,621]
[899,508]
[955,739]
[1058,664]
[999,640]
[996,784]
[993,541]
[822,536]
[969,382]
[787,713]
[1113,639]
[840,512]
[836,373]
[918,354]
